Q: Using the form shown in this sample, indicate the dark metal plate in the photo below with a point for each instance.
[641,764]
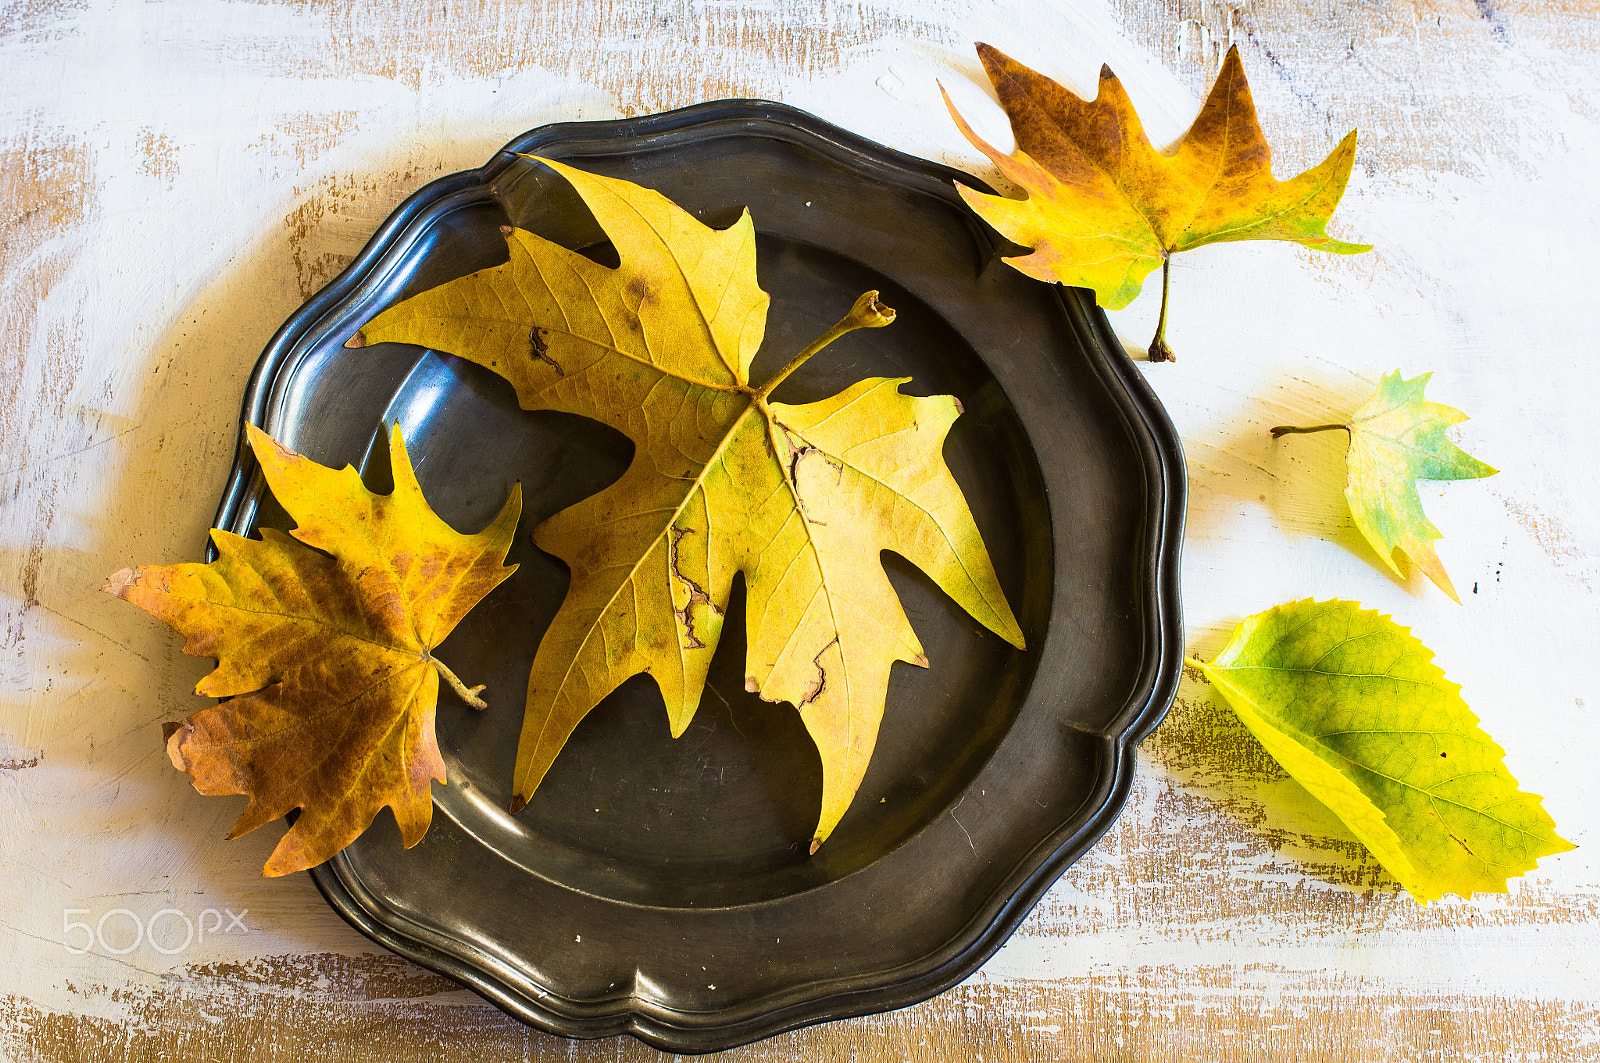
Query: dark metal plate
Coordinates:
[660,887]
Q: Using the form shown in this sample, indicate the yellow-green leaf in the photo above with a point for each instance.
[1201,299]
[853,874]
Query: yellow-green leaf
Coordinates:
[1396,438]
[1355,710]
[325,655]
[799,499]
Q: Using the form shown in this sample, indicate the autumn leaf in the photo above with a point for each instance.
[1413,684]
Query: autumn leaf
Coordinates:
[326,654]
[799,499]
[1353,707]
[1396,438]
[1103,208]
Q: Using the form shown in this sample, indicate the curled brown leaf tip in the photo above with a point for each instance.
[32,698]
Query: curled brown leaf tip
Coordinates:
[518,803]
[118,582]
[175,733]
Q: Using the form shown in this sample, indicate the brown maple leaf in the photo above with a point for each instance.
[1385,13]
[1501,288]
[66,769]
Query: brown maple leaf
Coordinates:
[326,654]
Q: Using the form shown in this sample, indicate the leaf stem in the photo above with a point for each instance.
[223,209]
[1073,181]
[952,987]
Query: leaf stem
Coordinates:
[1193,663]
[1159,351]
[466,693]
[1289,429]
[867,313]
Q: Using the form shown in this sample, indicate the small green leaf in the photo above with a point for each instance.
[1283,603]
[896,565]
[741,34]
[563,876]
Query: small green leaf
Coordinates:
[1353,707]
[1396,438]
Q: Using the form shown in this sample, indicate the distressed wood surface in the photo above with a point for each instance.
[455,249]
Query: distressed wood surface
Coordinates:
[175,178]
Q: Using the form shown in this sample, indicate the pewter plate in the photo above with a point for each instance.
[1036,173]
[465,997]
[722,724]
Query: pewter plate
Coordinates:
[662,887]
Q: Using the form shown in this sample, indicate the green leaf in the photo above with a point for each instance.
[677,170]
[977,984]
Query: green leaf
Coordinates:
[1396,438]
[1356,711]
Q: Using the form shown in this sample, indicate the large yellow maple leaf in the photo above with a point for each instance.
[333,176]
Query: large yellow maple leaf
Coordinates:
[1103,207]
[326,654]
[799,499]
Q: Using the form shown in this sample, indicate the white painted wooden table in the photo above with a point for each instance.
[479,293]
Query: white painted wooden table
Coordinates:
[175,178]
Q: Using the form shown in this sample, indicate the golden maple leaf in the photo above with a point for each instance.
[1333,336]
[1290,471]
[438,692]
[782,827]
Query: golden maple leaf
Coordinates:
[326,654]
[799,499]
[1104,208]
